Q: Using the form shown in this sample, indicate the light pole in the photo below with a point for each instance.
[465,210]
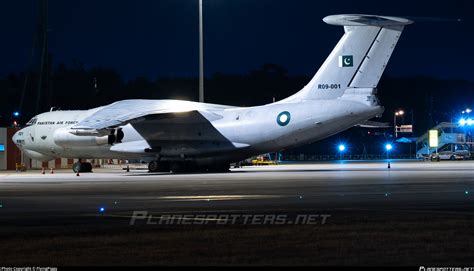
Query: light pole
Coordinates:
[388,148]
[201,55]
[397,114]
[468,121]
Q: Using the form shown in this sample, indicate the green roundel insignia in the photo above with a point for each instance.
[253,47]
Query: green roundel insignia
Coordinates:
[284,118]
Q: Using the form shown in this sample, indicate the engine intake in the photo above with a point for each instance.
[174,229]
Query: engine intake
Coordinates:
[116,136]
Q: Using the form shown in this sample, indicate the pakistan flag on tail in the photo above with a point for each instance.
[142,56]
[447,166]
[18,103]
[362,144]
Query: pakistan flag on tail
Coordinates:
[346,61]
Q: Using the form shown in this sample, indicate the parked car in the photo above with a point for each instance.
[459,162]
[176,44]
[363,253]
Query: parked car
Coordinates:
[451,155]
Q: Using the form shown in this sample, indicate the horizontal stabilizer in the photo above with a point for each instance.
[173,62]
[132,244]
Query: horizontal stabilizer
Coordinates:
[361,19]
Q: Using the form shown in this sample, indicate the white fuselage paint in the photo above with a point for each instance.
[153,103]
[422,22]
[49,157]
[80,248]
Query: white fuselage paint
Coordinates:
[256,128]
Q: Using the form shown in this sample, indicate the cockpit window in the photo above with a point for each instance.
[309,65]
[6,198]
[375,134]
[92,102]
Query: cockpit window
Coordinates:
[31,122]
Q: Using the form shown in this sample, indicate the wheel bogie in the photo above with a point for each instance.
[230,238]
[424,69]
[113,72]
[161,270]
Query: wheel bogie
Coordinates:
[157,166]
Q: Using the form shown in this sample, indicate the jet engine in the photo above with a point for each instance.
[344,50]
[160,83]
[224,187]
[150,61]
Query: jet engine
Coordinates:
[116,136]
[65,139]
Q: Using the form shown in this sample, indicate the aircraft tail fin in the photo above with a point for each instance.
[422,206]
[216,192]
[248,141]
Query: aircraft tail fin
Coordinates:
[358,60]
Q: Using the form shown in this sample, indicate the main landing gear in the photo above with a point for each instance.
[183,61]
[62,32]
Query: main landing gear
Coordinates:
[156,166]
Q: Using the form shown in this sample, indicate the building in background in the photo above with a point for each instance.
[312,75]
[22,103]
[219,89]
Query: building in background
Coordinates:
[9,153]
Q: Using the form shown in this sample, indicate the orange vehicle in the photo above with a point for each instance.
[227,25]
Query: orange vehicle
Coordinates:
[262,161]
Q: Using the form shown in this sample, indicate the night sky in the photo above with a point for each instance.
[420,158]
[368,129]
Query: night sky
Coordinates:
[160,37]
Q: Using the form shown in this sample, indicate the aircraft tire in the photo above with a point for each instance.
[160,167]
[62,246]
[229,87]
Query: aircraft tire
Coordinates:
[76,167]
[82,167]
[157,166]
[154,166]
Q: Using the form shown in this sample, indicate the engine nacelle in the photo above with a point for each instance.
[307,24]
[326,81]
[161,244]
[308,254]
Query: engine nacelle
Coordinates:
[65,139]
[116,136]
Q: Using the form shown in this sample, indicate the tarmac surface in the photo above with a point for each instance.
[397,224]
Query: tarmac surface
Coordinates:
[349,191]
[408,186]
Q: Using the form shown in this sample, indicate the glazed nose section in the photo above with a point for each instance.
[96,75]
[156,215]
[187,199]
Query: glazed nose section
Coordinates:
[17,139]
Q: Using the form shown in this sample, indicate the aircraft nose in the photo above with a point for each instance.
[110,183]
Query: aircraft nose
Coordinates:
[15,137]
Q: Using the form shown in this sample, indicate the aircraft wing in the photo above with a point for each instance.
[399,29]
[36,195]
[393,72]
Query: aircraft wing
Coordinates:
[174,126]
[130,111]
[374,124]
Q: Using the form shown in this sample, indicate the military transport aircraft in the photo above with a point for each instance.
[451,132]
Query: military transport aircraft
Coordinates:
[182,136]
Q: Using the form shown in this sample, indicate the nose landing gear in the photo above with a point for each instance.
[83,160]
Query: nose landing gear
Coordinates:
[82,167]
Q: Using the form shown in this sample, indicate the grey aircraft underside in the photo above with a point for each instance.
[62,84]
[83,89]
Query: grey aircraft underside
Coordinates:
[182,136]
